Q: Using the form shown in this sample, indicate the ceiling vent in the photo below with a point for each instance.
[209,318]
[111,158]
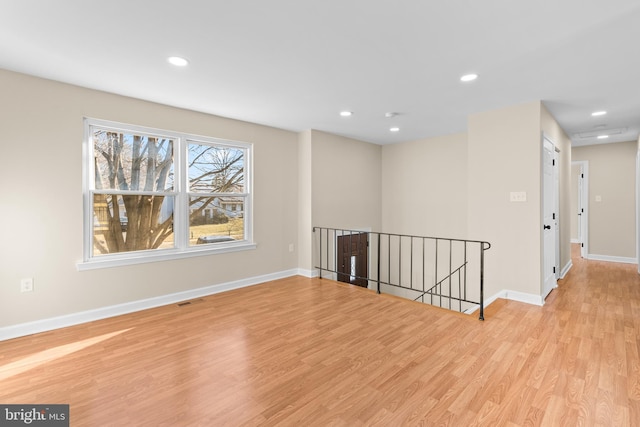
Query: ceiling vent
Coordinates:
[596,133]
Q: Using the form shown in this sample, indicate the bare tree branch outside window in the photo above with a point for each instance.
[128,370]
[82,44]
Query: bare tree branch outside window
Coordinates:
[134,194]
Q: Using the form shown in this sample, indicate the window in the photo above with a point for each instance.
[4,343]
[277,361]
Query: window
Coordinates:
[152,194]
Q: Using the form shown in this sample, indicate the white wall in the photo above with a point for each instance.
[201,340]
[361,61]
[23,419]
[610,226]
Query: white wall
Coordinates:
[459,186]
[553,131]
[41,204]
[575,182]
[424,193]
[504,155]
[339,188]
[305,202]
[346,181]
[451,186]
[612,178]
[424,187]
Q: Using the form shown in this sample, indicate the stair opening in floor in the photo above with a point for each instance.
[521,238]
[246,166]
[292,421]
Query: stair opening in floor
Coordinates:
[445,272]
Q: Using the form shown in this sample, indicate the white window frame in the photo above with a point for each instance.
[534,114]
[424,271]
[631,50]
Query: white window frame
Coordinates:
[180,194]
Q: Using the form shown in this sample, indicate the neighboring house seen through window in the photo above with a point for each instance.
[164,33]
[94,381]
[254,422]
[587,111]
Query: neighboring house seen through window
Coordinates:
[153,194]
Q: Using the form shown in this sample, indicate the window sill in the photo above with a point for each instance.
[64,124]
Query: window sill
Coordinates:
[120,260]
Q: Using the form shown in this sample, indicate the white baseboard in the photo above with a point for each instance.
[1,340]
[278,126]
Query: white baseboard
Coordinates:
[516,296]
[608,258]
[511,295]
[566,269]
[524,297]
[307,273]
[575,240]
[50,324]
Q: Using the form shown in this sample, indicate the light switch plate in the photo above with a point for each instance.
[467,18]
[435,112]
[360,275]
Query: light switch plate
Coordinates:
[518,196]
[26,284]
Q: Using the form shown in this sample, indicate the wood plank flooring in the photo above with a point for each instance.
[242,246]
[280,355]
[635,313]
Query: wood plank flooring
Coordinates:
[310,352]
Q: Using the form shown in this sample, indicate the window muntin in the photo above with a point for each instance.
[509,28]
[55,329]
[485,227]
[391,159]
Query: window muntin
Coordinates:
[151,191]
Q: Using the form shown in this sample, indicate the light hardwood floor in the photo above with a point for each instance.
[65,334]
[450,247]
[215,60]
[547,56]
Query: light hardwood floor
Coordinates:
[307,352]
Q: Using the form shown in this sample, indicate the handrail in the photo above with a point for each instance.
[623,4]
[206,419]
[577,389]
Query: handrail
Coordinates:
[424,259]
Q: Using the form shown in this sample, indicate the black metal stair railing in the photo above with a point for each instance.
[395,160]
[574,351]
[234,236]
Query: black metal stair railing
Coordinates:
[444,272]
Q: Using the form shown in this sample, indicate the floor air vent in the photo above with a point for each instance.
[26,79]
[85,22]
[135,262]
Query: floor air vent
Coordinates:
[195,301]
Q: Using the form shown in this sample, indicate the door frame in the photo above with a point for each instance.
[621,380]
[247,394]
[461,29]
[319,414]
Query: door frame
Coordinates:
[556,221]
[556,186]
[583,232]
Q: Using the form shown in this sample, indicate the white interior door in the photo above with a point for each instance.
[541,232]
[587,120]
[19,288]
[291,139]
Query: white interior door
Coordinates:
[580,208]
[556,212]
[549,217]
[583,214]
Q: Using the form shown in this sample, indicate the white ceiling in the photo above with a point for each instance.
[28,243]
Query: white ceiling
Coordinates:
[295,64]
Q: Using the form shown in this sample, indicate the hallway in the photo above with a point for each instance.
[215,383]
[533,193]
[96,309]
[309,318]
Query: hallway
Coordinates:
[592,323]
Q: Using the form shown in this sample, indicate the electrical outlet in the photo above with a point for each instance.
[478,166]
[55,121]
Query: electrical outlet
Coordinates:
[26,285]
[291,247]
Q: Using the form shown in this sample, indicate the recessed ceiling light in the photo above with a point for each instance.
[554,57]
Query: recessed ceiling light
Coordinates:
[468,77]
[394,129]
[346,113]
[177,61]
[598,113]
[603,136]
